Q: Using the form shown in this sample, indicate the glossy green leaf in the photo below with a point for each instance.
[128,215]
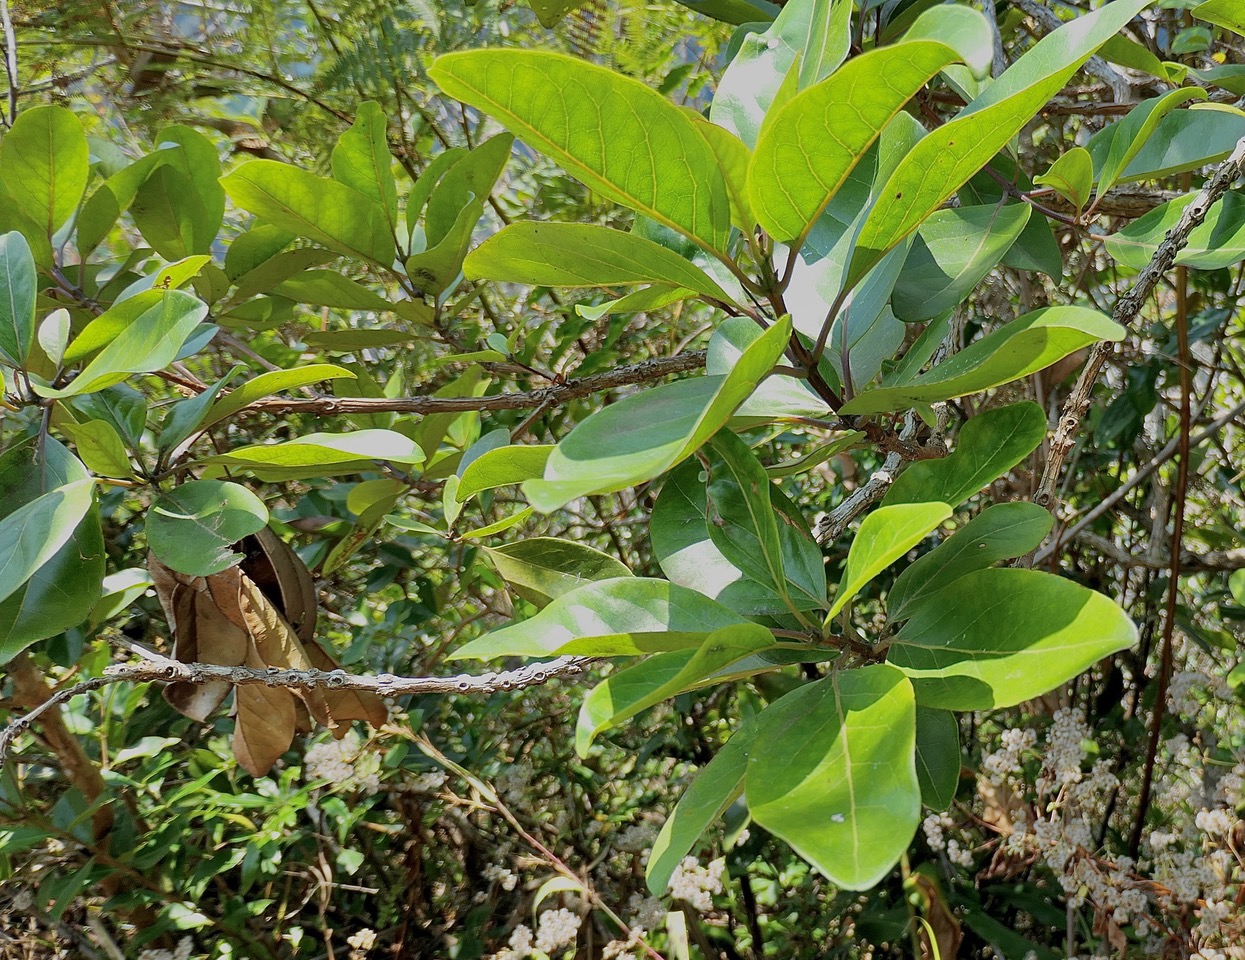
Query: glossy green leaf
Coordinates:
[715,788]
[884,536]
[963,29]
[361,160]
[647,433]
[832,772]
[503,466]
[998,637]
[953,251]
[45,163]
[1127,52]
[435,269]
[34,532]
[582,255]
[744,522]
[1024,346]
[633,689]
[1219,241]
[1183,140]
[732,11]
[122,406]
[688,556]
[323,210]
[812,31]
[541,569]
[266,384]
[776,398]
[62,590]
[194,528]
[417,199]
[638,301]
[613,133]
[53,335]
[18,284]
[151,342]
[100,448]
[937,756]
[187,415]
[470,178]
[949,155]
[1000,532]
[988,445]
[625,616]
[1225,13]
[1126,137]
[1071,176]
[171,216]
[807,152]
[111,323]
[322,454]
[328,288]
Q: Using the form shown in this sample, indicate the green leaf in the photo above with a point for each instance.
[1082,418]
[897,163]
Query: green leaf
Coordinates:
[744,522]
[998,637]
[636,688]
[62,591]
[647,433]
[350,341]
[963,29]
[151,342]
[988,445]
[626,616]
[187,415]
[541,569]
[884,536]
[728,11]
[427,182]
[34,532]
[328,288]
[45,162]
[937,756]
[1225,13]
[550,12]
[1071,176]
[1126,137]
[808,150]
[323,210]
[100,447]
[613,133]
[433,270]
[18,285]
[1024,346]
[1184,140]
[1219,241]
[953,252]
[501,467]
[999,532]
[687,554]
[583,255]
[470,178]
[362,162]
[638,301]
[715,788]
[322,454]
[122,406]
[832,772]
[949,155]
[267,384]
[733,158]
[776,398]
[194,527]
[180,204]
[53,335]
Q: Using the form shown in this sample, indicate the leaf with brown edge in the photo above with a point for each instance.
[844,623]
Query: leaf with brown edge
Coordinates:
[202,633]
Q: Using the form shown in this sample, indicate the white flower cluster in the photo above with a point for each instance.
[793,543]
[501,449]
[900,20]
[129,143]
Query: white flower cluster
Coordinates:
[343,763]
[1006,763]
[622,949]
[556,928]
[362,941]
[638,838]
[1065,751]
[696,884]
[185,947]
[501,875]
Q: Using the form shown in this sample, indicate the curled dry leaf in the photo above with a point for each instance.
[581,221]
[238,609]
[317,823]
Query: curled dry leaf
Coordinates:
[260,614]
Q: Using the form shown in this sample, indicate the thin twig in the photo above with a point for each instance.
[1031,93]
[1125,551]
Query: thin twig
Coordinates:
[10,60]
[1126,310]
[163,669]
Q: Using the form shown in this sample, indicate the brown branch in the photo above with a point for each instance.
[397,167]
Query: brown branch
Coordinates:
[155,668]
[554,394]
[1126,310]
[1190,563]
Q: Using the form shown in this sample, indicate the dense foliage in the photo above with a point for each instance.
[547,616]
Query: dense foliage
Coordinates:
[826,416]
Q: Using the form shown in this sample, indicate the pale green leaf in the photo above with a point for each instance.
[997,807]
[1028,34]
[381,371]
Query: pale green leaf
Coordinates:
[998,637]
[1024,346]
[193,528]
[1071,176]
[541,569]
[613,133]
[100,448]
[1218,241]
[322,454]
[18,284]
[582,255]
[503,466]
[267,384]
[832,771]
[44,161]
[627,616]
[884,536]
